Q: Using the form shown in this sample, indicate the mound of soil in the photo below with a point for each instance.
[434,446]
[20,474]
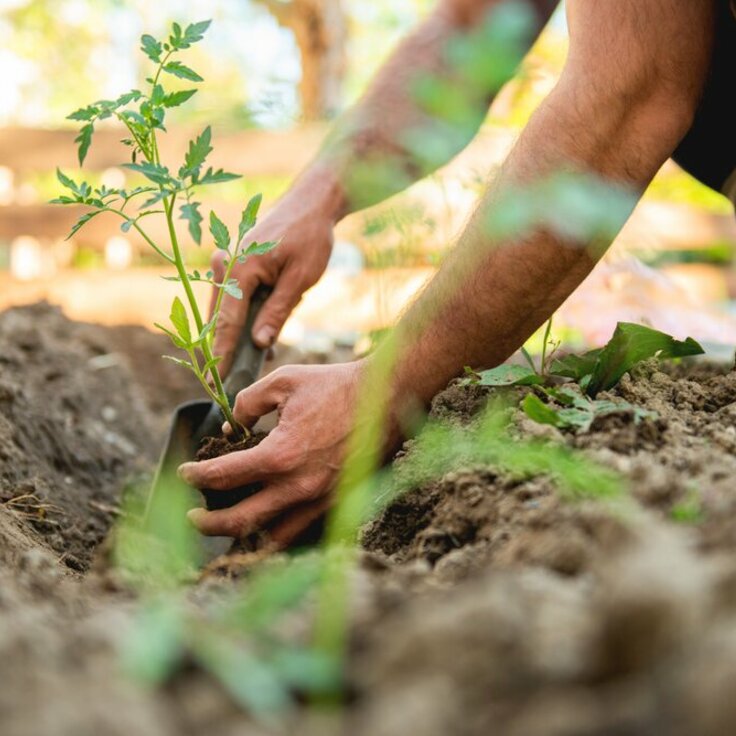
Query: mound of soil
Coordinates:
[482,602]
[73,429]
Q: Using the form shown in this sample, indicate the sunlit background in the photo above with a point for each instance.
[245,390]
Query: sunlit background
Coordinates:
[276,72]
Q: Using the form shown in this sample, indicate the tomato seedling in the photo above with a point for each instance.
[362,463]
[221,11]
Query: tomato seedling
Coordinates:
[167,191]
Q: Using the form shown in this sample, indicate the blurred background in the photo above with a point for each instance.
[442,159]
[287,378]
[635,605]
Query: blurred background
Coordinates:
[276,72]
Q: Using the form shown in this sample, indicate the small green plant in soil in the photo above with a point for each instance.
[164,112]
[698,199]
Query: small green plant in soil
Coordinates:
[573,382]
[168,192]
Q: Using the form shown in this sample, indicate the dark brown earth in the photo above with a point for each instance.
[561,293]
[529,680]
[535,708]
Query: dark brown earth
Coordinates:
[482,603]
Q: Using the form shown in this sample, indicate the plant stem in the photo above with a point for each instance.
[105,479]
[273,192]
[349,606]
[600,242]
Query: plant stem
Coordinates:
[222,399]
[545,340]
[140,230]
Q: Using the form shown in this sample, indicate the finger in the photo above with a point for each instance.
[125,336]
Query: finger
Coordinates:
[261,398]
[292,526]
[248,516]
[276,310]
[234,469]
[230,323]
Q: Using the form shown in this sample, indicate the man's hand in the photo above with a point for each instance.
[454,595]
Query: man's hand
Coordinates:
[305,235]
[298,462]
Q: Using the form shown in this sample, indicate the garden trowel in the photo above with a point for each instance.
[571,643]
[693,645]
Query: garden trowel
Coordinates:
[194,420]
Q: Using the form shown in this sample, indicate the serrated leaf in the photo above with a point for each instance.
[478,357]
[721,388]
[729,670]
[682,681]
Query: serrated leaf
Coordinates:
[174,99]
[81,222]
[84,139]
[630,344]
[154,172]
[157,95]
[84,113]
[198,151]
[155,199]
[249,216]
[133,96]
[216,177]
[233,289]
[194,32]
[66,181]
[509,375]
[63,200]
[190,212]
[180,320]
[151,47]
[219,232]
[182,71]
[259,249]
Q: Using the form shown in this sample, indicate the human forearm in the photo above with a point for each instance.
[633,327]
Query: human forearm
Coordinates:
[371,152]
[490,296]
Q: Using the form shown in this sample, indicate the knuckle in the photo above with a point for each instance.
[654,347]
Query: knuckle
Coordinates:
[214,477]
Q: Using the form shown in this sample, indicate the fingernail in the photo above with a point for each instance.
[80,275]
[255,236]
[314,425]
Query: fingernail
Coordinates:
[227,429]
[265,336]
[184,471]
[195,516]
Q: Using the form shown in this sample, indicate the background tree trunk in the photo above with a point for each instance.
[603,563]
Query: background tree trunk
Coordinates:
[320,30]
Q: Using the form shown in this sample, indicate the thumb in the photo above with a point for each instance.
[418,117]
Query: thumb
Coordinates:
[276,310]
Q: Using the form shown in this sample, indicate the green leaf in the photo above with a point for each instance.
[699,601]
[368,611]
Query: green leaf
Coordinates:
[63,200]
[151,48]
[178,342]
[190,212]
[210,364]
[84,113]
[84,139]
[82,221]
[540,412]
[156,198]
[179,361]
[258,249]
[66,181]
[575,366]
[205,331]
[219,232]
[195,31]
[233,289]
[126,225]
[180,320]
[133,96]
[182,71]
[216,177]
[174,99]
[198,151]
[249,217]
[157,95]
[509,375]
[630,345]
[154,172]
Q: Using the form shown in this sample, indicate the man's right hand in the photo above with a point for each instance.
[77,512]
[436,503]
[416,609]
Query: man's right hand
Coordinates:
[305,240]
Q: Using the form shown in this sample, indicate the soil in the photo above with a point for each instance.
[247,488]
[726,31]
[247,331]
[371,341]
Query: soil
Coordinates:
[213,447]
[482,602]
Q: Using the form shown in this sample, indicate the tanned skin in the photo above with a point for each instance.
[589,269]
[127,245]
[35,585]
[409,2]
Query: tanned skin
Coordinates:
[625,99]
